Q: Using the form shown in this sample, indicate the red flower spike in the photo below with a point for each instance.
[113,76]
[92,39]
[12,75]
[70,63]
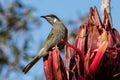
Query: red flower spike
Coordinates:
[56,64]
[106,21]
[93,31]
[69,52]
[116,34]
[86,64]
[48,67]
[90,17]
[96,61]
[63,70]
[53,66]
[81,37]
[79,52]
[94,38]
[97,18]
[117,49]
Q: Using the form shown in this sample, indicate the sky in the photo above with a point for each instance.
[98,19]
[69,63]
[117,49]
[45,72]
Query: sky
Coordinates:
[65,10]
[70,9]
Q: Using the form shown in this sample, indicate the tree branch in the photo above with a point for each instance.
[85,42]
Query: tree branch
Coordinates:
[105,4]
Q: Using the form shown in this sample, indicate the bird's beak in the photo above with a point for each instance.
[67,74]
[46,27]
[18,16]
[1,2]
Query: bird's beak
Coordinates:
[43,16]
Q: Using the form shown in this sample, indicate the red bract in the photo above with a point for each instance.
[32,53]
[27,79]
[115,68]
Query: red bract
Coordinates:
[54,67]
[48,67]
[98,57]
[94,55]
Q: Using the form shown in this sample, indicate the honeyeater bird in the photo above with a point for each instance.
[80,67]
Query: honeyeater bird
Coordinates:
[58,32]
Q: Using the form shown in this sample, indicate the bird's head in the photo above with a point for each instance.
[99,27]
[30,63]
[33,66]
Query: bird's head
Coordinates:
[52,19]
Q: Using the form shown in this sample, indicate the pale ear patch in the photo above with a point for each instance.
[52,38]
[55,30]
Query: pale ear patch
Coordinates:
[55,20]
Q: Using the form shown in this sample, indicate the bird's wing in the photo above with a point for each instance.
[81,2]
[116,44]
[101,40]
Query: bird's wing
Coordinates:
[51,35]
[51,40]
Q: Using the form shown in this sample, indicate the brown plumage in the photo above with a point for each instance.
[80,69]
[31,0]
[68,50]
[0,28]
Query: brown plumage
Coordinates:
[58,32]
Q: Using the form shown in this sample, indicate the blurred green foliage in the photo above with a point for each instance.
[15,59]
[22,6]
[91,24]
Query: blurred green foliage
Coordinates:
[14,17]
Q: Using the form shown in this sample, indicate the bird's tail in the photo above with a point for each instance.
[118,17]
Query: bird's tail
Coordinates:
[29,66]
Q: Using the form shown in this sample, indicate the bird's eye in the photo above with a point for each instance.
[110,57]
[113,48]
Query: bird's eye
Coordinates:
[55,20]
